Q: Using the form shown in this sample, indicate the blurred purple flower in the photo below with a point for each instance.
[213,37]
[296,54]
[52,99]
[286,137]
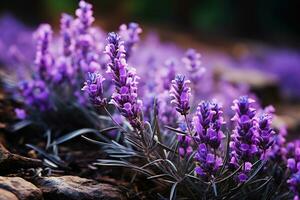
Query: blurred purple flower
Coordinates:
[84,16]
[130,36]
[20,113]
[43,58]
[66,33]
[36,94]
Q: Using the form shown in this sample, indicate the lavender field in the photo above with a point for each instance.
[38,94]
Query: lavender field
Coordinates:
[92,109]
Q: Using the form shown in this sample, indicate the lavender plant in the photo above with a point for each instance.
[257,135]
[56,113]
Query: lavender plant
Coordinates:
[201,159]
[190,152]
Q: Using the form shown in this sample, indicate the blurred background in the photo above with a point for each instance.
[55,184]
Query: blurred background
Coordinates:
[275,21]
[252,34]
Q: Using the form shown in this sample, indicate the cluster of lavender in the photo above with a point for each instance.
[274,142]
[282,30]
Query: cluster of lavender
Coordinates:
[81,54]
[252,136]
[61,70]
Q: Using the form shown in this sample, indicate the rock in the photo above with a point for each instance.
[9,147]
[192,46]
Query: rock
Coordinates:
[21,188]
[6,195]
[76,188]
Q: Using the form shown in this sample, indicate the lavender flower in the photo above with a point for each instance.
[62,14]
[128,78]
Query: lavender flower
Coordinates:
[192,60]
[278,151]
[125,97]
[36,94]
[207,124]
[85,16]
[43,58]
[192,63]
[66,33]
[243,147]
[171,73]
[294,184]
[244,138]
[130,36]
[94,87]
[180,94]
[20,113]
[265,132]
[184,143]
[62,71]
[207,163]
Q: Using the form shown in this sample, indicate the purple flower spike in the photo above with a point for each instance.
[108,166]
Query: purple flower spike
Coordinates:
[180,94]
[94,88]
[66,33]
[192,60]
[265,132]
[244,137]
[207,163]
[85,16]
[207,124]
[171,73]
[36,94]
[294,183]
[43,58]
[125,97]
[130,36]
[184,142]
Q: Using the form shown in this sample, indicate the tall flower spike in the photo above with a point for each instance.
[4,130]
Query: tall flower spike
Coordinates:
[94,88]
[85,16]
[180,94]
[265,132]
[43,58]
[244,142]
[244,138]
[125,96]
[207,124]
[66,33]
[192,60]
[130,36]
[192,63]
[171,73]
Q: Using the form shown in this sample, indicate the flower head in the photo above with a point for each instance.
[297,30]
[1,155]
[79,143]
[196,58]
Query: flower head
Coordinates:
[94,88]
[43,58]
[66,33]
[207,124]
[36,94]
[125,97]
[244,137]
[180,94]
[130,36]
[265,132]
[85,16]
[207,163]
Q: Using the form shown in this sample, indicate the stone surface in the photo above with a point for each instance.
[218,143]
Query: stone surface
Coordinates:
[21,188]
[76,188]
[6,195]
